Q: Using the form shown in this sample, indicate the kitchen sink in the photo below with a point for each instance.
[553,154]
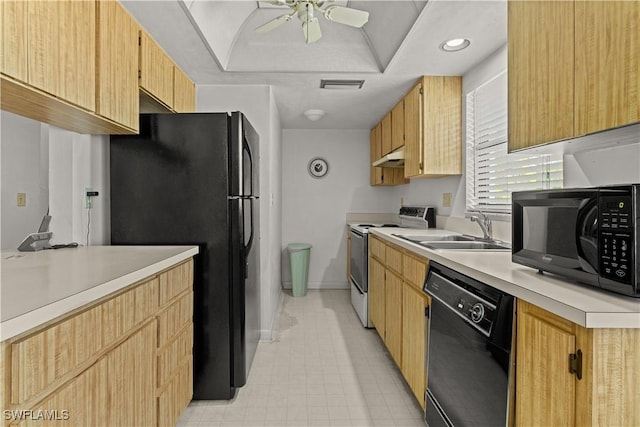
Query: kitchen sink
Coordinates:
[436,238]
[455,241]
[470,245]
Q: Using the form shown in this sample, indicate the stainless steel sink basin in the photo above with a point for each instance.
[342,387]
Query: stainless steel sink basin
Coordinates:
[435,238]
[470,245]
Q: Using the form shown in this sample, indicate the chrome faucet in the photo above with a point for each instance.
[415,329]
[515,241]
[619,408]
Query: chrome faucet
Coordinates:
[485,224]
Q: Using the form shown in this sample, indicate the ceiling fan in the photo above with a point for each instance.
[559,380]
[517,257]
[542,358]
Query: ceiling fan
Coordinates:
[306,9]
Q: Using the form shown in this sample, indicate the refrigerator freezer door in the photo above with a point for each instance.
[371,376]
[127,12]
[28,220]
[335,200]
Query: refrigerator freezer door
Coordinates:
[169,186]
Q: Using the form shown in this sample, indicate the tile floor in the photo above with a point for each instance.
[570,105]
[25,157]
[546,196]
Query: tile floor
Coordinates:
[321,369]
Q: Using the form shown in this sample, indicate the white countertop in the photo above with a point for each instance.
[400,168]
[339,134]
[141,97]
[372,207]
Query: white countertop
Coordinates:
[581,304]
[37,287]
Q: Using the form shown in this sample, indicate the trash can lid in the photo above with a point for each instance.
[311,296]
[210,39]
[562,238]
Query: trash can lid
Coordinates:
[294,247]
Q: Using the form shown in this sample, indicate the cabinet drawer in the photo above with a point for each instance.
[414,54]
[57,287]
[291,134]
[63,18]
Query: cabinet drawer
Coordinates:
[415,270]
[377,248]
[175,281]
[393,259]
[174,318]
[44,358]
[40,360]
[170,356]
[124,312]
[177,395]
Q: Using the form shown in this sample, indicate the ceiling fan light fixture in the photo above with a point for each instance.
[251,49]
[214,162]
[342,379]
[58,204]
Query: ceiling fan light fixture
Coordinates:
[314,114]
[455,45]
[341,84]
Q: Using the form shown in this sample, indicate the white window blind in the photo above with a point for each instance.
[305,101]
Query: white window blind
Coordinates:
[492,174]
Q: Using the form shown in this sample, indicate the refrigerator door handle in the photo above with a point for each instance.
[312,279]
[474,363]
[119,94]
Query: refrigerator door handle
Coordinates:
[246,147]
[242,197]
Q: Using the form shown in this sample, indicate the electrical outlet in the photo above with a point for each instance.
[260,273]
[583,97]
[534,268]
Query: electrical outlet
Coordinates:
[21,200]
[88,204]
[446,200]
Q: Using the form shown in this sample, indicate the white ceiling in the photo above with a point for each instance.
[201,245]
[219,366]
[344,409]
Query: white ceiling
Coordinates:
[214,42]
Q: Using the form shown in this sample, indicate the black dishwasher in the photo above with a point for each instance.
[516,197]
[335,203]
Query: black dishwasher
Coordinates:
[469,351]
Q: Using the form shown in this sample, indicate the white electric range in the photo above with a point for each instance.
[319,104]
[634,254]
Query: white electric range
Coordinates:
[421,217]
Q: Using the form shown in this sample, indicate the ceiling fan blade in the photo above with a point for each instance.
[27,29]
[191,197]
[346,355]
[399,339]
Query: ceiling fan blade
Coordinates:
[274,23]
[345,15]
[311,29]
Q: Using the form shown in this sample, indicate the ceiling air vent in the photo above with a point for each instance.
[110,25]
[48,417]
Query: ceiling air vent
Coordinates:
[341,84]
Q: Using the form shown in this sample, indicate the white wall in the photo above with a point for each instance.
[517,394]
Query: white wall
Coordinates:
[53,166]
[258,105]
[77,162]
[313,210]
[430,191]
[25,161]
[610,165]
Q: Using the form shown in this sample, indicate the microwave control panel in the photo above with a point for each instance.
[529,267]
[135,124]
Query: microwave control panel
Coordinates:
[616,238]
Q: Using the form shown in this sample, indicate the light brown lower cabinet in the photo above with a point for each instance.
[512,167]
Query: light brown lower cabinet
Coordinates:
[414,339]
[548,394]
[397,309]
[107,364]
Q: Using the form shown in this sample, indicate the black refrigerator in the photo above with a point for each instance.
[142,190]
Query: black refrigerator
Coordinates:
[192,179]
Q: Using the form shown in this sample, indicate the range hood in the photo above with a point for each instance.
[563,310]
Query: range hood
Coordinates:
[395,159]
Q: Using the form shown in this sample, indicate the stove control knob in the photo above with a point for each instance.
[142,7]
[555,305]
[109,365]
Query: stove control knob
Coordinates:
[477,313]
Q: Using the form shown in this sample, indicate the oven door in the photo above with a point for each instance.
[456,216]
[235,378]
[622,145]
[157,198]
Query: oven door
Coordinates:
[359,260]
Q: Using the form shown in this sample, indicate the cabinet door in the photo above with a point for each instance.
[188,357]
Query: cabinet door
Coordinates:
[376,153]
[386,134]
[607,64]
[546,391]
[156,70]
[77,77]
[348,256]
[119,390]
[117,44]
[184,92]
[397,126]
[377,295]
[413,132]
[442,132]
[541,72]
[43,48]
[14,39]
[414,336]
[393,316]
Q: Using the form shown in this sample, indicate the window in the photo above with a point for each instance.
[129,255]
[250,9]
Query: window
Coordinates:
[492,174]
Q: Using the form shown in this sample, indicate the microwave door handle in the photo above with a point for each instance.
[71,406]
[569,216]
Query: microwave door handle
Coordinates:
[587,236]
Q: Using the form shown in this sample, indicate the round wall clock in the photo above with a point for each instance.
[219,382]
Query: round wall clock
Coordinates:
[318,167]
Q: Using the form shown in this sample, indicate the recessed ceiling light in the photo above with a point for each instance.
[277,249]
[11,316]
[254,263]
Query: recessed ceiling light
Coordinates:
[314,115]
[454,45]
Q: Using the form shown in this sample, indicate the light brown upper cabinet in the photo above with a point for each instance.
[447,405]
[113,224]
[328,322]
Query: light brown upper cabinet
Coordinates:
[50,45]
[379,175]
[156,71]
[163,86]
[386,135]
[573,69]
[184,92]
[77,70]
[397,126]
[53,62]
[117,65]
[375,154]
[14,39]
[433,123]
[607,66]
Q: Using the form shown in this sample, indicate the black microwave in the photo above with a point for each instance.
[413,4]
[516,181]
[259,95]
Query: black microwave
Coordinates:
[586,234]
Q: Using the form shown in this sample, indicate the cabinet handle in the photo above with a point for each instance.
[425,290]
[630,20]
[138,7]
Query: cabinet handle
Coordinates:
[575,364]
